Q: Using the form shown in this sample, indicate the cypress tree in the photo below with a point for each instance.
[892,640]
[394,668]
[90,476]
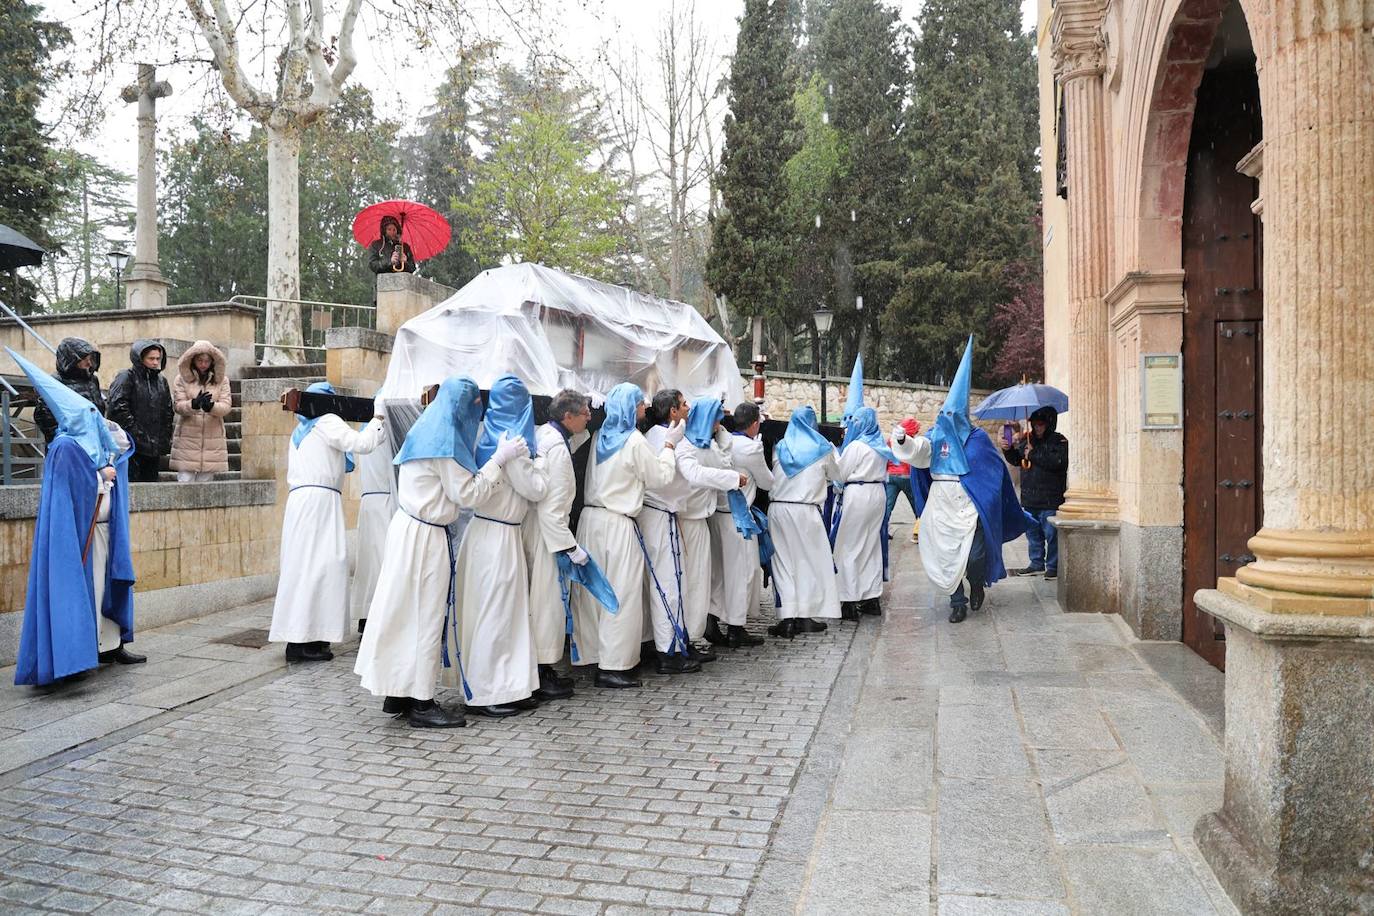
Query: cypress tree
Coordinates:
[30,177]
[751,241]
[972,137]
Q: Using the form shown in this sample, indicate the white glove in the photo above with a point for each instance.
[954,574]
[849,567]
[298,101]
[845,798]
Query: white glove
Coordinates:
[898,434]
[676,432]
[508,449]
[578,556]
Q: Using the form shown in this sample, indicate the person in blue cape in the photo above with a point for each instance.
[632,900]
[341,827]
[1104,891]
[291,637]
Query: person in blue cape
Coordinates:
[860,528]
[78,610]
[311,610]
[804,465]
[969,506]
[491,580]
[412,627]
[621,466]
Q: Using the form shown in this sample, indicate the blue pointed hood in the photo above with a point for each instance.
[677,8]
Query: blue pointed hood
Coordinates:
[855,399]
[701,420]
[448,427]
[953,426]
[509,411]
[76,417]
[802,445]
[863,427]
[621,415]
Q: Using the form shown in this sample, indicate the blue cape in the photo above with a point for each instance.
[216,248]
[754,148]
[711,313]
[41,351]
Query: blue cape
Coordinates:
[988,484]
[863,427]
[702,419]
[621,416]
[448,426]
[802,445]
[304,425]
[949,438]
[59,635]
[510,411]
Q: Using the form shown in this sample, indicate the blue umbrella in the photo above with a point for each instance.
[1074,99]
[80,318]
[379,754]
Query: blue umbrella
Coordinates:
[1020,401]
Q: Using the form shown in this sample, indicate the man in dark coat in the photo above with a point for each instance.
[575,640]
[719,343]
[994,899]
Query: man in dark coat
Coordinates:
[389,254]
[77,363]
[141,402]
[1043,457]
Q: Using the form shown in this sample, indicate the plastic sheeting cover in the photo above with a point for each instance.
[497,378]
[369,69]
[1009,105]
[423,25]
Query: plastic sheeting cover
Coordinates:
[558,330]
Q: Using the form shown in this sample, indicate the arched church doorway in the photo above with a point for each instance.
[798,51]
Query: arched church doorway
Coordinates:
[1222,331]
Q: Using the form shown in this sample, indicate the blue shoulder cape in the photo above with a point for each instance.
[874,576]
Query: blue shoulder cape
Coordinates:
[59,637]
[988,485]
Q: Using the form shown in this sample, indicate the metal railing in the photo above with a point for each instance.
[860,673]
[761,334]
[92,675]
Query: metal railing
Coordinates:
[316,318]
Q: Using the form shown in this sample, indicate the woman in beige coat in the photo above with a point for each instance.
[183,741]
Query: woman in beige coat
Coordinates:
[200,396]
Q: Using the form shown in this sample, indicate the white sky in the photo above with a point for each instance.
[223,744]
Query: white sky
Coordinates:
[401,78]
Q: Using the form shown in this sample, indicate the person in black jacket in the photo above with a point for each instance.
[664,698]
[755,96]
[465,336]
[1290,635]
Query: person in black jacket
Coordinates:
[1043,457]
[389,254]
[141,402]
[77,363]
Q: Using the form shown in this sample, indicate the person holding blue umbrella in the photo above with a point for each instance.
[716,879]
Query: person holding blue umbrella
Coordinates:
[1043,456]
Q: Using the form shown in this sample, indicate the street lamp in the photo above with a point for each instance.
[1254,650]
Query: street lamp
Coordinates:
[824,318]
[118,260]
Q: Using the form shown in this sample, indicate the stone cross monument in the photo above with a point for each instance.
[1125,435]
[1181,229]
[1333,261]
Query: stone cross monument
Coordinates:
[145,285]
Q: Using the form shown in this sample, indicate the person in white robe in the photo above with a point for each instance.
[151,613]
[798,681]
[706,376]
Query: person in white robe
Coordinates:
[804,464]
[376,506]
[619,470]
[491,581]
[412,627]
[547,533]
[704,460]
[665,548]
[311,609]
[736,586]
[860,537]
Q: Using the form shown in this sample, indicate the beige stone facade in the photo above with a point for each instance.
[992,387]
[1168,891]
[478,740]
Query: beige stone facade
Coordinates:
[1165,104]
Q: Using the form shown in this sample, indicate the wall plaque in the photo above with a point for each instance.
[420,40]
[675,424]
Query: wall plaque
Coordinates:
[1161,391]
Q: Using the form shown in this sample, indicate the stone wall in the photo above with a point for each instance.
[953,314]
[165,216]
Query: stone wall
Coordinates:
[197,548]
[785,391]
[229,326]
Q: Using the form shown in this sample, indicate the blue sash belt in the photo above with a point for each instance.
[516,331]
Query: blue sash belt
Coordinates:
[450,611]
[679,622]
[312,486]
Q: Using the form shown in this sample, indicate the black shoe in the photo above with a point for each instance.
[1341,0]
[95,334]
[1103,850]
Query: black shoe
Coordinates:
[807,625]
[551,686]
[957,613]
[615,679]
[397,706]
[738,637]
[308,652]
[976,595]
[701,653]
[1027,571]
[714,635]
[666,663]
[362,625]
[849,610]
[786,629]
[122,656]
[429,714]
[497,711]
[871,607]
[529,702]
[1051,575]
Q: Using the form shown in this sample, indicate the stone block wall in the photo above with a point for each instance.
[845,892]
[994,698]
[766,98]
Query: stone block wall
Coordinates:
[785,392]
[400,297]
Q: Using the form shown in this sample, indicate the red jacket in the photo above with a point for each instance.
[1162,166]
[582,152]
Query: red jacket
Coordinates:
[897,468]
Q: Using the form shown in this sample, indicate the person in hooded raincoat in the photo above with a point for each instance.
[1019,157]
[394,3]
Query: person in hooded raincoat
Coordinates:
[547,534]
[737,577]
[704,460]
[78,361]
[492,582]
[141,403]
[78,610]
[412,630]
[376,506]
[861,535]
[804,464]
[969,508]
[621,466]
[311,609]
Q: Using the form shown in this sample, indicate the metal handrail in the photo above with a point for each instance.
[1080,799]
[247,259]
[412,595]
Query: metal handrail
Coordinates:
[260,347]
[341,305]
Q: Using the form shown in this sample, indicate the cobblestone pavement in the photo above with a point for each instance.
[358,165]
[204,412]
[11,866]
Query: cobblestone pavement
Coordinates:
[1024,762]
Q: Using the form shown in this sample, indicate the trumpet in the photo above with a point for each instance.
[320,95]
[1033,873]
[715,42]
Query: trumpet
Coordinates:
[398,255]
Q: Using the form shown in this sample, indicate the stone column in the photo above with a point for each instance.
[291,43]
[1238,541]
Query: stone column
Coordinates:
[1296,829]
[145,284]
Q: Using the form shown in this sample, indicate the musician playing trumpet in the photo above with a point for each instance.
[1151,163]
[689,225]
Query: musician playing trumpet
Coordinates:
[389,254]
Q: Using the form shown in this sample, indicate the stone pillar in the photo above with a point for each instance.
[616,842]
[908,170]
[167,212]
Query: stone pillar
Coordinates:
[1296,830]
[145,285]
[401,296]
[1087,522]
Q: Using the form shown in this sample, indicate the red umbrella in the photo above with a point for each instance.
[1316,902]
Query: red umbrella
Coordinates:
[424,230]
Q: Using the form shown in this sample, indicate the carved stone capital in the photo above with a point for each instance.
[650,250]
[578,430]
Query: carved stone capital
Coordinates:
[1080,55]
